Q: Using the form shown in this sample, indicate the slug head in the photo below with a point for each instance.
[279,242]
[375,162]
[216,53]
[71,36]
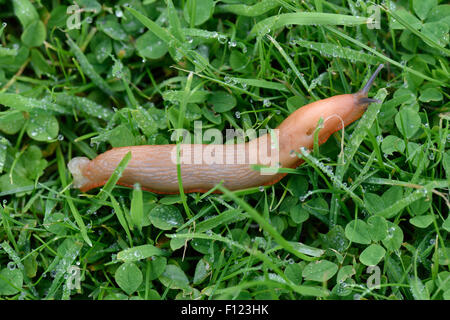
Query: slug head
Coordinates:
[348,108]
[360,99]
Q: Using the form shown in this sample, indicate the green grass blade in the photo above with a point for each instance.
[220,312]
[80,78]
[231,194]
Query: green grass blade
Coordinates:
[81,145]
[7,52]
[306,19]
[260,83]
[292,65]
[383,57]
[160,32]
[68,250]
[254,10]
[264,224]
[62,169]
[19,102]
[336,51]
[392,210]
[137,207]
[225,217]
[140,252]
[301,289]
[360,132]
[174,22]
[111,183]
[186,94]
[421,35]
[88,69]
[85,105]
[121,217]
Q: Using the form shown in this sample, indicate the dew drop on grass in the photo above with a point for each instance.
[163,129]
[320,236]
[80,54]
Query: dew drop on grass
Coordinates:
[261,188]
[119,13]
[380,138]
[266,103]
[11,265]
[237,114]
[222,39]
[303,150]
[390,233]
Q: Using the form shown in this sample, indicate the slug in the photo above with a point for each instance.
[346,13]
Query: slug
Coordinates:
[155,169]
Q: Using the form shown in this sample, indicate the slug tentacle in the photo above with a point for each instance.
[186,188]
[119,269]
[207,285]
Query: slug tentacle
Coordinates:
[365,90]
[361,96]
[365,100]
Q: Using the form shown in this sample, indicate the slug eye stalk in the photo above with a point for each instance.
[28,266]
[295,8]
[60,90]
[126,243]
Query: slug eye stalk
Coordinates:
[366,88]
[361,95]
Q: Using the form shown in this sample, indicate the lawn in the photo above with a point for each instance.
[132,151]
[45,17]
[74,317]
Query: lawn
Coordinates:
[365,216]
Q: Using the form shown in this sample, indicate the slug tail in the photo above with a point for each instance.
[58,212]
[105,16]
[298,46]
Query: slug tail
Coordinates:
[76,167]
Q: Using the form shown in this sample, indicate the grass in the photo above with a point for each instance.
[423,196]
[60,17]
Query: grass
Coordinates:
[364,217]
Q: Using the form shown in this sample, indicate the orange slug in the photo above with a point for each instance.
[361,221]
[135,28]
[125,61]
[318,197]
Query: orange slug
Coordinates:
[203,166]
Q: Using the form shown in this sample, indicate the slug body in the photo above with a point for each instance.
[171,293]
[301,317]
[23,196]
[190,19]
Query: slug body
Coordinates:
[154,167]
